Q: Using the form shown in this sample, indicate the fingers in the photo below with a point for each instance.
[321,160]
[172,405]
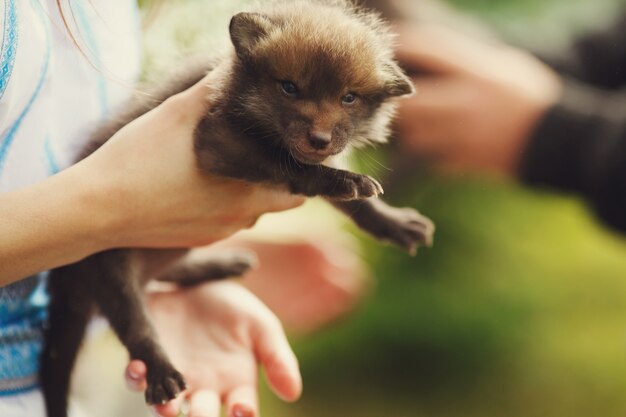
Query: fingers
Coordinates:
[204,403]
[169,409]
[279,361]
[198,96]
[279,200]
[242,402]
[421,49]
[428,121]
[135,376]
[258,198]
[439,50]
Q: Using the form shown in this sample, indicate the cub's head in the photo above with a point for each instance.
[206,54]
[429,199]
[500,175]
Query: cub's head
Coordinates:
[316,77]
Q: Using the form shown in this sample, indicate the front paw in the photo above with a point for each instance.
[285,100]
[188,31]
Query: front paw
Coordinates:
[355,187]
[407,228]
[164,383]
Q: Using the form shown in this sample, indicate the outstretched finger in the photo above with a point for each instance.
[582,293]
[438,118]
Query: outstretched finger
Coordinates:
[279,361]
[279,200]
[242,402]
[204,403]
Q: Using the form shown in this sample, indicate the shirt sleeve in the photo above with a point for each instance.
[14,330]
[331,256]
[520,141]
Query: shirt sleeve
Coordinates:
[598,58]
[580,147]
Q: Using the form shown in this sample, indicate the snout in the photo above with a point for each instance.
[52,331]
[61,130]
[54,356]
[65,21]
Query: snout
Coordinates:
[315,147]
[319,140]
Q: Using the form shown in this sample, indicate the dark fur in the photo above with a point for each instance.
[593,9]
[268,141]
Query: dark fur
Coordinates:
[253,132]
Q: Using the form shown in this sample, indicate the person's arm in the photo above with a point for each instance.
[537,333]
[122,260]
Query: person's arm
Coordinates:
[141,189]
[494,109]
[598,58]
[580,146]
[60,220]
[476,103]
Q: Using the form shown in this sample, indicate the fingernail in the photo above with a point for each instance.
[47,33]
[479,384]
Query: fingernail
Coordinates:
[133,375]
[154,412]
[241,410]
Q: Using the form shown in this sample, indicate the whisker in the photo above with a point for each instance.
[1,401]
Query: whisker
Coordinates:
[374,160]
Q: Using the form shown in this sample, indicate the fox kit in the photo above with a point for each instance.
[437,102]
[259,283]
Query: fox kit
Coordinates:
[306,81]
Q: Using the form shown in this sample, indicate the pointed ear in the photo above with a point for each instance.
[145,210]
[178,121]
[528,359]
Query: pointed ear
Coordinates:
[247,29]
[397,83]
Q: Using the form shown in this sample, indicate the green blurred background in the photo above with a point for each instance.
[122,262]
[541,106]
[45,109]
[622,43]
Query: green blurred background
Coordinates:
[518,310]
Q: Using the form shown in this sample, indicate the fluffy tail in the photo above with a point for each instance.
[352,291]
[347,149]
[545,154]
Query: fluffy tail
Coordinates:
[68,315]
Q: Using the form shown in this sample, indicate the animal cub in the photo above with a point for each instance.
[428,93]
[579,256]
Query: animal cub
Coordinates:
[306,81]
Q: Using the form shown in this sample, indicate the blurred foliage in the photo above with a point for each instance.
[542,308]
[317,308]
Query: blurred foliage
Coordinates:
[518,310]
[541,24]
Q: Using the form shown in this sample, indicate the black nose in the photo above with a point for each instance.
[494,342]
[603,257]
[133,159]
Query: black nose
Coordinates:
[320,140]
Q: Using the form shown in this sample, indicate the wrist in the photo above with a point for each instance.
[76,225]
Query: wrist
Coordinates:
[566,138]
[534,104]
[103,206]
[49,224]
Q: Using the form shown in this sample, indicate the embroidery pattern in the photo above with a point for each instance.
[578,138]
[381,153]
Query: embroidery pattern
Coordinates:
[6,141]
[9,45]
[22,314]
[53,166]
[22,304]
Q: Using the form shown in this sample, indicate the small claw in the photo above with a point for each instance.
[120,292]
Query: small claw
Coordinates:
[172,387]
[148,396]
[160,395]
[381,190]
[379,187]
[367,187]
[354,195]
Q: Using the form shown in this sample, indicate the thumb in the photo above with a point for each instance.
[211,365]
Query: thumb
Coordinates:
[197,99]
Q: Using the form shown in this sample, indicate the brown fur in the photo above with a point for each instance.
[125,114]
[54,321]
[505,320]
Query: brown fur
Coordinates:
[254,131]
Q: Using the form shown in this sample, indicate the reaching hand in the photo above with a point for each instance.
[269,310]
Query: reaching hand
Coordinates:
[216,335]
[476,103]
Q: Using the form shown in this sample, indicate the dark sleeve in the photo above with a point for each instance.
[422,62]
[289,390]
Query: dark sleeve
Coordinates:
[598,59]
[580,147]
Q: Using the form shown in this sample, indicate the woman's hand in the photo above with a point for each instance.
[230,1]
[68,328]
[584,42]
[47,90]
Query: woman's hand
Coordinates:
[161,196]
[476,104]
[141,189]
[217,335]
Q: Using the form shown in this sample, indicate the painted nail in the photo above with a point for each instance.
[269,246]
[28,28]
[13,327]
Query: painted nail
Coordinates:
[241,410]
[154,412]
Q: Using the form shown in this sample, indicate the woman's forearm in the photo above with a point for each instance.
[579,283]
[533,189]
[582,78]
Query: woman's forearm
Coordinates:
[142,188]
[53,223]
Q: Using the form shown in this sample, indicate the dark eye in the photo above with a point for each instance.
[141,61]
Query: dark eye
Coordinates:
[289,88]
[349,98]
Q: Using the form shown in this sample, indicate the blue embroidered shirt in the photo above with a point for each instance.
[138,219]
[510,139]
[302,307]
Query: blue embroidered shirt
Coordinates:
[50,97]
